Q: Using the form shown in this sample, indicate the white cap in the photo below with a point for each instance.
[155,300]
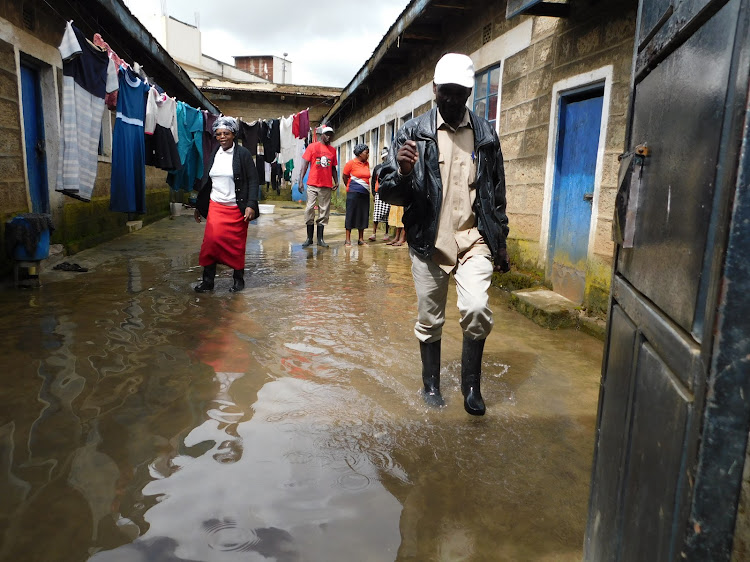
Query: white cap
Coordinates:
[454,68]
[325,129]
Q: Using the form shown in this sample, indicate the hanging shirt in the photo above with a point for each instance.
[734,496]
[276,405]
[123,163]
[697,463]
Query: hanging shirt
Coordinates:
[304,124]
[161,131]
[295,125]
[272,140]
[286,139]
[249,135]
[190,147]
[222,178]
[209,141]
[88,74]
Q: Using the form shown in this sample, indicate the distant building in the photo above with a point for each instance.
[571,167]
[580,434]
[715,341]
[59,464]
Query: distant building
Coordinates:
[183,42]
[272,68]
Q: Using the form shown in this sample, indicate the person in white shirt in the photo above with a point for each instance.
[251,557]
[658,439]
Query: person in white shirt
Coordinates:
[229,201]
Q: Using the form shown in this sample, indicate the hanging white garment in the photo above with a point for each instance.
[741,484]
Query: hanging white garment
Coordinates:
[287,139]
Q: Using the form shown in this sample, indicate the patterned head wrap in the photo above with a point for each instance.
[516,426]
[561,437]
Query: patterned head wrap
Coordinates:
[223,122]
[360,148]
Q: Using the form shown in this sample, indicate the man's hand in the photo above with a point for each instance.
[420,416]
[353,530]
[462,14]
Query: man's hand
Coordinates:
[197,215]
[249,214]
[502,263]
[407,156]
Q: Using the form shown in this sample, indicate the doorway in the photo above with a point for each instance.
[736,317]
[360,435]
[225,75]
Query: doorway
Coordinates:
[33,122]
[579,125]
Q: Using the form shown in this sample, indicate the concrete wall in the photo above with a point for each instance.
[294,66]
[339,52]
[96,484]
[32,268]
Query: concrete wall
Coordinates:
[77,224]
[593,46]
[250,106]
[540,58]
[183,42]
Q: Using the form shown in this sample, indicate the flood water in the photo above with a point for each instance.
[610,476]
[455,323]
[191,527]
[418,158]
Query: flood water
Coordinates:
[140,421]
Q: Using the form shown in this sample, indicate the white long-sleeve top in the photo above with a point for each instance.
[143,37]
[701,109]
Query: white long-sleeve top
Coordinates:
[222,178]
[161,110]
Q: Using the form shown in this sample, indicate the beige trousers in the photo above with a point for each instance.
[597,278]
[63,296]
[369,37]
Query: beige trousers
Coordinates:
[320,196]
[472,278]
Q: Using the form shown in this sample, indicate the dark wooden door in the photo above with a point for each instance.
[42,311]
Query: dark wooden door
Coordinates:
[673,412]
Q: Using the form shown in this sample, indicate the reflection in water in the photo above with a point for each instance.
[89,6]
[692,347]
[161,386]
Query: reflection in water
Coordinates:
[143,422]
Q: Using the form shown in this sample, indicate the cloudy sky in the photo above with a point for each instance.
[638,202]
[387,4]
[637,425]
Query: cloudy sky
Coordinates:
[327,42]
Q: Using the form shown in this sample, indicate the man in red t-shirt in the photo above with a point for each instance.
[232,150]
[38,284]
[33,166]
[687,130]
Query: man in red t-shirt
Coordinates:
[321,157]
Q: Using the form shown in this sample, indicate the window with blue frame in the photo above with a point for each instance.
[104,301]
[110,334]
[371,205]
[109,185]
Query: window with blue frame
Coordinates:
[486,88]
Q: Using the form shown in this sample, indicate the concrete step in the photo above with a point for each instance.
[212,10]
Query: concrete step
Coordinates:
[553,311]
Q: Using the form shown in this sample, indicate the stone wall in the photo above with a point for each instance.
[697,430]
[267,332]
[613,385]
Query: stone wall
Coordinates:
[593,38]
[250,106]
[13,193]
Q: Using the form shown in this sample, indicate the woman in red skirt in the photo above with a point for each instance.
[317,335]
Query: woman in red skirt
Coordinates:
[228,200]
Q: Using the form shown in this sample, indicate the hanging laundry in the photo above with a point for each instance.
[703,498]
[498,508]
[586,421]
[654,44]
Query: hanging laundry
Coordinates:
[249,135]
[128,182]
[260,163]
[286,139]
[272,141]
[161,131]
[88,75]
[299,150]
[190,147]
[110,100]
[304,124]
[295,125]
[209,143]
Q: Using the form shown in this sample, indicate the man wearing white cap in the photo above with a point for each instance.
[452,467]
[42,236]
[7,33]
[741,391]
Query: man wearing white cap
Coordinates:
[448,174]
[321,158]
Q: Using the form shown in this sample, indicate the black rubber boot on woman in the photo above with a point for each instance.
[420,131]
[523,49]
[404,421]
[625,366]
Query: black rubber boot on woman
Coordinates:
[431,373]
[471,373]
[310,232]
[209,272]
[321,242]
[238,278]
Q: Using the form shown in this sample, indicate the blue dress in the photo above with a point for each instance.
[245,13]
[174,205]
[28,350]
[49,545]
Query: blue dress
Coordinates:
[128,187]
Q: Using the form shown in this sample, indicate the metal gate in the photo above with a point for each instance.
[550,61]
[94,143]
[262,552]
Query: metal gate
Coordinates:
[674,408]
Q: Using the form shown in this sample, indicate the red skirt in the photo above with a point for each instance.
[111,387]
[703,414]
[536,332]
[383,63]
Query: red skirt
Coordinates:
[225,237]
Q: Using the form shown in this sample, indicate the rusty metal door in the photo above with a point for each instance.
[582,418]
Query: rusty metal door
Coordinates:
[674,415]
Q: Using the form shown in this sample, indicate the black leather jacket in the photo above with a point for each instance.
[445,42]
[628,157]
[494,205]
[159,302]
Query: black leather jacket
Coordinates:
[246,187]
[421,192]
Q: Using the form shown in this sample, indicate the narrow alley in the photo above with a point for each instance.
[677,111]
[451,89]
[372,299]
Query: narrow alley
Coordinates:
[142,421]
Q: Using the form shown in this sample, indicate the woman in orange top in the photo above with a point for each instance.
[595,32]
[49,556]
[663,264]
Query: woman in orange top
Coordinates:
[356,175]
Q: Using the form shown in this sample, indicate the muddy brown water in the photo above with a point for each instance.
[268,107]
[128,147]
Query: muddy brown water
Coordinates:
[140,421]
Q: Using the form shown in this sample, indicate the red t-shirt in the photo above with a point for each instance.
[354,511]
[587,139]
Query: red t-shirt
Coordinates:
[321,157]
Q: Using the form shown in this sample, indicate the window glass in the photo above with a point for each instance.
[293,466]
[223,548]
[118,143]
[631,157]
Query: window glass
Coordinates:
[486,94]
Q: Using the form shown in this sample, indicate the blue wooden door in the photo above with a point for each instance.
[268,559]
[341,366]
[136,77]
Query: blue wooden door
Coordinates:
[33,122]
[578,141]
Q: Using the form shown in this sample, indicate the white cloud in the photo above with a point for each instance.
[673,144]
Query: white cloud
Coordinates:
[326,42]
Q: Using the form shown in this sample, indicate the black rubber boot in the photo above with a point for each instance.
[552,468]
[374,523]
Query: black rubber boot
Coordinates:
[238,278]
[431,373]
[310,231]
[471,373]
[209,272]
[321,242]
